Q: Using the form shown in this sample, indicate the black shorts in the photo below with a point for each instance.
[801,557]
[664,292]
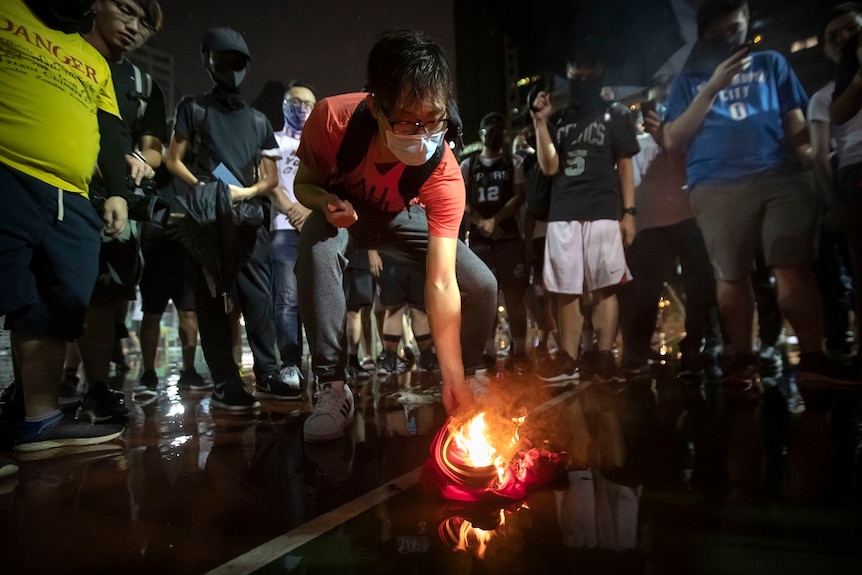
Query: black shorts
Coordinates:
[49,254]
[359,285]
[401,284]
[506,260]
[168,274]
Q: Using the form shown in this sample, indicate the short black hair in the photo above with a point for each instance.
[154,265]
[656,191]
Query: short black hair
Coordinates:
[152,13]
[585,53]
[840,10]
[409,64]
[492,118]
[300,83]
[712,10]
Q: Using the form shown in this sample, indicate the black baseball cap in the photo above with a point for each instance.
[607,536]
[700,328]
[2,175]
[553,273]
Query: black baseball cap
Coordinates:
[493,118]
[218,39]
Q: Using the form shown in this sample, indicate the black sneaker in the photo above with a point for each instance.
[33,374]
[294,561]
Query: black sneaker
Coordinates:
[817,370]
[65,431]
[743,375]
[193,381]
[588,363]
[428,360]
[100,405]
[558,369]
[606,368]
[355,369]
[285,385]
[390,363]
[233,397]
[68,396]
[149,381]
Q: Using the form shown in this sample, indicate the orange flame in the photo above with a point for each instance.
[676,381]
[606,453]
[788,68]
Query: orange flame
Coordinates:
[474,539]
[483,447]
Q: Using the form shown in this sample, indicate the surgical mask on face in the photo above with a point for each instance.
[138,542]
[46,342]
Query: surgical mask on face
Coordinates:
[295,115]
[413,150]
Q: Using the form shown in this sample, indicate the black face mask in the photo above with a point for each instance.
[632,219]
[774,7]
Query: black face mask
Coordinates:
[62,15]
[586,92]
[708,53]
[494,138]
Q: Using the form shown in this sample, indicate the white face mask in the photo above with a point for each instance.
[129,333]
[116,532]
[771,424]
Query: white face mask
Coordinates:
[413,150]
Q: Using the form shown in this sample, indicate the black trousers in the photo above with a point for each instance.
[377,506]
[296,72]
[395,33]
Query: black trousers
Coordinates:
[652,259]
[254,290]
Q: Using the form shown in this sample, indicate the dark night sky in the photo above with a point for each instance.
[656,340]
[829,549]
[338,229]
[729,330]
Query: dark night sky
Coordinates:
[325,42]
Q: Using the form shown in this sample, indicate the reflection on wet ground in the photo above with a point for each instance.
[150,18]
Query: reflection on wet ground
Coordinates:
[664,476]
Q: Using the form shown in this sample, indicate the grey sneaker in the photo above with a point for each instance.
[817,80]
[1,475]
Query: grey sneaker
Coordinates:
[66,431]
[332,412]
[286,385]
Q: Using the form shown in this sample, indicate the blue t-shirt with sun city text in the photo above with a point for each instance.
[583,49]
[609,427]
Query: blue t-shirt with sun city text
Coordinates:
[743,132]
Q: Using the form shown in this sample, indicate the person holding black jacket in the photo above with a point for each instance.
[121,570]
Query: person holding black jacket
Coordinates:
[226,151]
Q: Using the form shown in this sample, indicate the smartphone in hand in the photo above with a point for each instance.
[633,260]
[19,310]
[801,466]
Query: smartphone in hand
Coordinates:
[648,106]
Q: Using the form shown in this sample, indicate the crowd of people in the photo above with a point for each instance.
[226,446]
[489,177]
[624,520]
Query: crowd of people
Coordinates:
[359,203]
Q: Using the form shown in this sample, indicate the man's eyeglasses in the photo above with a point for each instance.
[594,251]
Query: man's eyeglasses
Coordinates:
[297,102]
[126,14]
[412,128]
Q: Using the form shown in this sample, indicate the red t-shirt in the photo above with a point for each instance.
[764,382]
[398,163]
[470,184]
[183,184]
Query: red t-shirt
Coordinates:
[375,180]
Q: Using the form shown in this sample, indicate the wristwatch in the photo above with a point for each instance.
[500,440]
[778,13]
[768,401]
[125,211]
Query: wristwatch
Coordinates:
[630,211]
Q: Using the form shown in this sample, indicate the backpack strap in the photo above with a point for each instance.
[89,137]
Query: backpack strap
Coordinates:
[143,90]
[360,132]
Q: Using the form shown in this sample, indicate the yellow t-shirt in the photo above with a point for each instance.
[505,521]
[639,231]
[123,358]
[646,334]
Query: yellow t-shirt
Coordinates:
[51,84]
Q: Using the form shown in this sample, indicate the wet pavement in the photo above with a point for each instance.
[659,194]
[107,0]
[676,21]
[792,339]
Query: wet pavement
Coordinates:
[664,476]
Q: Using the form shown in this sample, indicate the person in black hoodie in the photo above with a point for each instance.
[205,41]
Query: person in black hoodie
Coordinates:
[226,151]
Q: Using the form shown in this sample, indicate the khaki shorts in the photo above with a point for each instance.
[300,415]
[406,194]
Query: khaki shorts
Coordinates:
[776,215]
[584,254]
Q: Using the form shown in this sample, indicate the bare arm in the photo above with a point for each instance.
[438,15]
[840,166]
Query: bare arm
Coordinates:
[546,152]
[626,174]
[267,180]
[309,190]
[443,304]
[796,132]
[174,160]
[151,149]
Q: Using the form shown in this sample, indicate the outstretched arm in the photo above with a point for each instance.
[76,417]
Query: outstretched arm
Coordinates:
[443,304]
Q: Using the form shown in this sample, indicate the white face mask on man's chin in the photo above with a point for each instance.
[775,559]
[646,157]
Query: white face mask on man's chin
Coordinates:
[415,149]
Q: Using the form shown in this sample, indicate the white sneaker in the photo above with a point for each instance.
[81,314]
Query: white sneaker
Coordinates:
[479,383]
[332,412]
[291,376]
